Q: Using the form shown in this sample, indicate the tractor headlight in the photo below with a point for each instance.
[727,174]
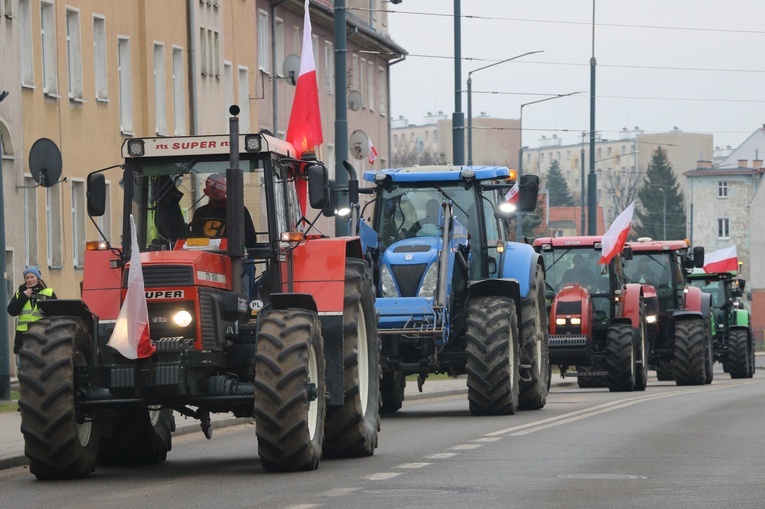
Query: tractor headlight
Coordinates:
[560,321]
[386,282]
[576,321]
[650,318]
[429,282]
[182,318]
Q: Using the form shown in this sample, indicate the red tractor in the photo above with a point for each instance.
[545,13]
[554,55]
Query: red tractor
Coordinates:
[681,347]
[597,320]
[282,329]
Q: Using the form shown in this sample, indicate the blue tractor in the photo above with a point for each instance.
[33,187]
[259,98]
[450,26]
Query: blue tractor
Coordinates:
[453,294]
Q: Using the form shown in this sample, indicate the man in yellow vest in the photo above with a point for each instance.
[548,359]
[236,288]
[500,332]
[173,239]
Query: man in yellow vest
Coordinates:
[24,302]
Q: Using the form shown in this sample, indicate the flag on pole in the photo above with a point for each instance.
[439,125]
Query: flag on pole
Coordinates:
[372,151]
[614,239]
[722,260]
[131,332]
[512,196]
[304,128]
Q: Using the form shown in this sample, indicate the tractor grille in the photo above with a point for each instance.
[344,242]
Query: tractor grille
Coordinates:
[569,308]
[416,248]
[206,318]
[408,278]
[569,340]
[164,275]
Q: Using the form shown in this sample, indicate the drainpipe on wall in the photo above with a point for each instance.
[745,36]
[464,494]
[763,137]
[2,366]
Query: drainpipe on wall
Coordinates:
[390,112]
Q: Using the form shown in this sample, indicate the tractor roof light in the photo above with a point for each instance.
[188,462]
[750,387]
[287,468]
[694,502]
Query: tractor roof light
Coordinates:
[136,148]
[467,174]
[96,245]
[252,142]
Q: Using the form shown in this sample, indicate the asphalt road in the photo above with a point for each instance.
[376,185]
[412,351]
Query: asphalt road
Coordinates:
[669,447]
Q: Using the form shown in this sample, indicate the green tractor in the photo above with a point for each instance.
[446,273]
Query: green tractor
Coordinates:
[733,342]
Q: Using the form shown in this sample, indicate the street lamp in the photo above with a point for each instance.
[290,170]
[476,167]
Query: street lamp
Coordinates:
[470,99]
[518,227]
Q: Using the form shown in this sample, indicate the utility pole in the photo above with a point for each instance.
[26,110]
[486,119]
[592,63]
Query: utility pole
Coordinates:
[341,109]
[5,344]
[592,181]
[458,118]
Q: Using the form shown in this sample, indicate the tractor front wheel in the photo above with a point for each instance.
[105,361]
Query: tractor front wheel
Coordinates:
[137,436]
[690,362]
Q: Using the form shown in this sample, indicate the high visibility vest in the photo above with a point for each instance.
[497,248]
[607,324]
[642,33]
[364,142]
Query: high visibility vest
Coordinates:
[30,313]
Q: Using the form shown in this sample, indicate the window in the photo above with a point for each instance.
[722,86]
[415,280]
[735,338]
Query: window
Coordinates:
[371,84]
[263,41]
[53,212]
[354,85]
[78,223]
[215,53]
[382,90]
[25,41]
[297,44]
[105,221]
[362,81]
[179,102]
[160,94]
[7,8]
[99,58]
[723,228]
[722,189]
[329,68]
[315,49]
[228,89]
[279,50]
[74,54]
[126,89]
[244,100]
[48,36]
[30,221]
[203,51]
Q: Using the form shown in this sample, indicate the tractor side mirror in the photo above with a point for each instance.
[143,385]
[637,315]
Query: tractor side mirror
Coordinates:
[737,287]
[318,186]
[529,189]
[627,253]
[96,187]
[698,257]
[329,208]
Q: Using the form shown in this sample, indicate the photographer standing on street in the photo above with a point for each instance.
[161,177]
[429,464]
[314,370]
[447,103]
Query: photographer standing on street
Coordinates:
[24,303]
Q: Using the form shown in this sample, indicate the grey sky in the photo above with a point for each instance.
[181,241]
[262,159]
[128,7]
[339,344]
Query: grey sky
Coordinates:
[705,74]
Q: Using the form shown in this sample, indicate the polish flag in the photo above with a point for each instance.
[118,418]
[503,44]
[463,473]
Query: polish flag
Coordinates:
[512,196]
[304,128]
[722,260]
[131,332]
[372,151]
[614,239]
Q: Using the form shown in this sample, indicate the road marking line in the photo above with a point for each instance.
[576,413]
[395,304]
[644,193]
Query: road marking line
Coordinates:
[487,439]
[412,465]
[441,456]
[339,492]
[465,447]
[381,476]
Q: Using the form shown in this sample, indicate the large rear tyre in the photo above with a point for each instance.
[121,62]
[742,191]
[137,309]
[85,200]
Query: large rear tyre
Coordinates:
[493,356]
[709,352]
[351,429]
[665,372]
[641,352]
[737,364]
[392,390]
[290,388]
[59,441]
[592,382]
[535,348]
[620,358]
[690,362]
[750,344]
[137,436]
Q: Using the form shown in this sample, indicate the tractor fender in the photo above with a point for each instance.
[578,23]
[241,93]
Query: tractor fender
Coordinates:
[520,262]
[632,294]
[496,287]
[695,300]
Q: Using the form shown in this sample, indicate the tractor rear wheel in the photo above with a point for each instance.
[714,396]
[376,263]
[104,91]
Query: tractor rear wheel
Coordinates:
[493,356]
[290,389]
[641,351]
[621,357]
[665,372]
[137,436]
[737,363]
[392,388]
[709,353]
[351,429]
[59,441]
[690,363]
[534,346]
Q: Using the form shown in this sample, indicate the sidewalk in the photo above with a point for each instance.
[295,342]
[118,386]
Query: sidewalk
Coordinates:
[12,442]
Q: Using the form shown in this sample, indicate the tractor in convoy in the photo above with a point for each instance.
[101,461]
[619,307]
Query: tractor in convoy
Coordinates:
[598,321]
[680,346]
[454,295]
[733,340]
[282,329]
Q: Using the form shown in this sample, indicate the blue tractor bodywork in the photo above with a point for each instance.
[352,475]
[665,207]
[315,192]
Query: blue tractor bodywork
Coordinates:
[430,267]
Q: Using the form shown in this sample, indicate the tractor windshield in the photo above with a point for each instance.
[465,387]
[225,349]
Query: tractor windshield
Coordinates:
[714,288]
[660,270]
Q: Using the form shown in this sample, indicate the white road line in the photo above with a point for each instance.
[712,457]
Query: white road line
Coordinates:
[304,506]
[339,492]
[441,456]
[412,465]
[381,476]
[487,439]
[465,447]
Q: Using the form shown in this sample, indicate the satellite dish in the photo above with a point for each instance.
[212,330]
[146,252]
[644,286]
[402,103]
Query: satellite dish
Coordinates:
[359,144]
[354,100]
[291,69]
[45,162]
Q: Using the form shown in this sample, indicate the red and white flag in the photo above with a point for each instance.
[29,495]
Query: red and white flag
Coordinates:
[614,239]
[512,196]
[372,152]
[131,332]
[722,260]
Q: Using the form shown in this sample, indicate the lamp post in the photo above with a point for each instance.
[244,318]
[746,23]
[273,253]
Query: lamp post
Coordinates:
[470,99]
[518,215]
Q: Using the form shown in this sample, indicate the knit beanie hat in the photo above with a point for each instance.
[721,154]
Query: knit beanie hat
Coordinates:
[32,270]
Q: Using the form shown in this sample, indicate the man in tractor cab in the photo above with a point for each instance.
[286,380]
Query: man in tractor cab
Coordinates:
[426,226]
[643,273]
[210,220]
[579,273]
